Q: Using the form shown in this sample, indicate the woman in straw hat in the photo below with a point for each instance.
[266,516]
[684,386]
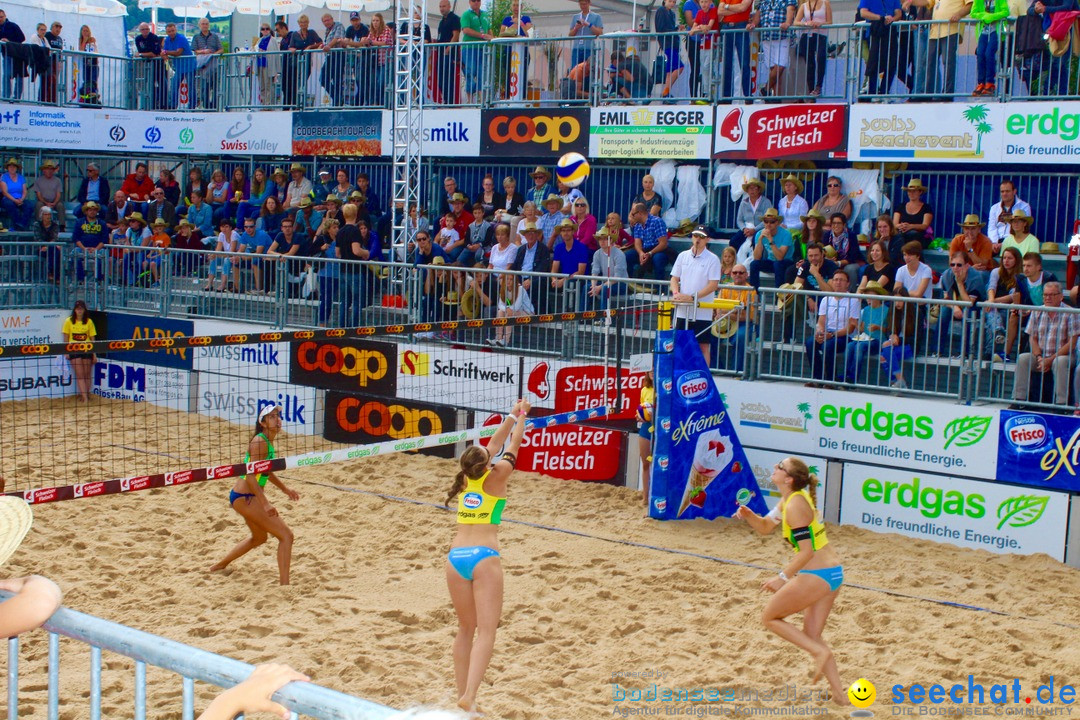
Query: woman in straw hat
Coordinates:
[1021,236]
[914,217]
[14,198]
[793,205]
[248,498]
[35,598]
[751,211]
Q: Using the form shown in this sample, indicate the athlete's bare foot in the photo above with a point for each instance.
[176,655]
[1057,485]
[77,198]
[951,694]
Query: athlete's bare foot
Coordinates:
[821,659]
[470,707]
[217,567]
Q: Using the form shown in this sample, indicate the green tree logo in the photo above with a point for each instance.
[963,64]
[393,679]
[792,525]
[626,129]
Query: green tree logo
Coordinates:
[804,408]
[1021,511]
[976,115]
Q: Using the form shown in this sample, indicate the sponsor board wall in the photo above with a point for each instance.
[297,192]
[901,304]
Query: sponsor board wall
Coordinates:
[985,516]
[569,452]
[1039,450]
[447,133]
[918,434]
[27,378]
[167,387]
[125,326]
[544,133]
[461,378]
[239,401]
[931,132]
[262,361]
[361,419]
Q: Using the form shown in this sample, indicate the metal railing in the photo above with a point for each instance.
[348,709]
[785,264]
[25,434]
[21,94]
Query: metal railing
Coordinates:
[948,349]
[905,61]
[190,663]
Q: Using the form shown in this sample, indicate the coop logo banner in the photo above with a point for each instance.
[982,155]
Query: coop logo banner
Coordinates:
[936,132]
[674,132]
[447,133]
[166,331]
[348,365]
[338,132]
[968,513]
[359,419]
[756,132]
[922,435]
[699,467]
[546,133]
[1039,450]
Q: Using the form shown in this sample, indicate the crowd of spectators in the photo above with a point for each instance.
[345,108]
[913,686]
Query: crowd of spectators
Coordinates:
[701,45]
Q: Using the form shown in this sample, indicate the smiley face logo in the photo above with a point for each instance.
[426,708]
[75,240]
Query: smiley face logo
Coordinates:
[862,693]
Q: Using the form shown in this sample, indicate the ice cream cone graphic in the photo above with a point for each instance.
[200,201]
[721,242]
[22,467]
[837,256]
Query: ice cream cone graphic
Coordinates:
[712,454]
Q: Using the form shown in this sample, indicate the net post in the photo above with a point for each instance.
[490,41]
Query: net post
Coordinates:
[620,351]
[664,314]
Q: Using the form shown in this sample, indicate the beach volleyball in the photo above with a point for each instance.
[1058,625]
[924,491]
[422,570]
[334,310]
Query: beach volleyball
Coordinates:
[572,169]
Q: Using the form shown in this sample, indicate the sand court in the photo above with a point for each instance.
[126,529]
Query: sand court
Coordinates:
[597,600]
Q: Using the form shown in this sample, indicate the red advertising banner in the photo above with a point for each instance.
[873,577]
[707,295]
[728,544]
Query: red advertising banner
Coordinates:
[569,452]
[774,131]
[586,386]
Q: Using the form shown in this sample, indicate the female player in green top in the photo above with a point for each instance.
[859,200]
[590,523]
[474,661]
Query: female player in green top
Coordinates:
[248,499]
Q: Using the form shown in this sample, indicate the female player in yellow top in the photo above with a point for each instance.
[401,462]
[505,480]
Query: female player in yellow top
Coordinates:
[80,328]
[810,582]
[248,498]
[473,569]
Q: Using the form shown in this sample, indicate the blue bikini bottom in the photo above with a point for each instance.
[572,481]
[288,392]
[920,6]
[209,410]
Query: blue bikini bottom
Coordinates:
[833,575]
[465,559]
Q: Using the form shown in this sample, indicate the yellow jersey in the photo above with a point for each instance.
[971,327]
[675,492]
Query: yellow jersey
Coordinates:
[476,507]
[79,330]
[818,538]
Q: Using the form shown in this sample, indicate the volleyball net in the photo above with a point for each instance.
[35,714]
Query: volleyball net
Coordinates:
[173,409]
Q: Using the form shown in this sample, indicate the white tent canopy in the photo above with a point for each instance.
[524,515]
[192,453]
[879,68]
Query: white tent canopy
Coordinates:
[109,31]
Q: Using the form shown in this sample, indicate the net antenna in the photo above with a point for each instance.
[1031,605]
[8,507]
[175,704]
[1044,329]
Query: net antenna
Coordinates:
[408,127]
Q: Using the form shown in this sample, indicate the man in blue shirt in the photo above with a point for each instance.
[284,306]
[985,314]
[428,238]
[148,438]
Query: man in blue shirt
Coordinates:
[372,202]
[773,248]
[584,26]
[650,243]
[570,258]
[255,242]
[177,46]
[10,32]
[89,237]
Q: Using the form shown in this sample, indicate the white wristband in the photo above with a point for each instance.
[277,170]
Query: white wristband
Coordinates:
[783,576]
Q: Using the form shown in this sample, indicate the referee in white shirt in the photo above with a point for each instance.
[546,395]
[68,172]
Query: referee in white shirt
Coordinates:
[694,278]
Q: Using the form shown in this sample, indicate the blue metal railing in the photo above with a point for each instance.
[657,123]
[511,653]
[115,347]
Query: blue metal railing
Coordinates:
[191,663]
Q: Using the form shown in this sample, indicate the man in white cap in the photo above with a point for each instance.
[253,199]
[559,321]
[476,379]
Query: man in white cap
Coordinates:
[694,278]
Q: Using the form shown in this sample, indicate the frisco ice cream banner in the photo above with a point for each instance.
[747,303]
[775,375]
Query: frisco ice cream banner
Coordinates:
[1039,450]
[699,469]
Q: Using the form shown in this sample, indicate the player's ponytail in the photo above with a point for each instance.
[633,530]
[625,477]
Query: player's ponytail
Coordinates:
[473,463]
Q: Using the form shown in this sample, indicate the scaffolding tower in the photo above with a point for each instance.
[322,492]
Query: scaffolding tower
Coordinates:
[408,121]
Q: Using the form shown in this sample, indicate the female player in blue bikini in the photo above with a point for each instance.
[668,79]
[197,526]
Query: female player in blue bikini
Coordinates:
[473,569]
[249,500]
[810,582]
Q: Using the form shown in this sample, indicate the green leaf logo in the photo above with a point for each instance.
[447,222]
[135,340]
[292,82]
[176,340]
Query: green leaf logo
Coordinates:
[1022,510]
[966,431]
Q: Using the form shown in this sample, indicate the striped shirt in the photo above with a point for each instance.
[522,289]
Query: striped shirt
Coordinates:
[1053,330]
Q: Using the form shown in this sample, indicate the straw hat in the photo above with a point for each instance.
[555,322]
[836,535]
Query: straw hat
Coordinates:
[602,232]
[277,171]
[469,305]
[830,252]
[13,161]
[90,204]
[567,223]
[541,171]
[971,220]
[725,327]
[332,198]
[1049,248]
[297,166]
[915,184]
[457,198]
[754,181]
[771,214]
[684,228]
[160,222]
[786,301]
[50,164]
[16,517]
[185,223]
[304,202]
[553,198]
[874,288]
[792,179]
[1019,214]
[528,226]
[137,217]
[356,195]
[438,260]
[814,213]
